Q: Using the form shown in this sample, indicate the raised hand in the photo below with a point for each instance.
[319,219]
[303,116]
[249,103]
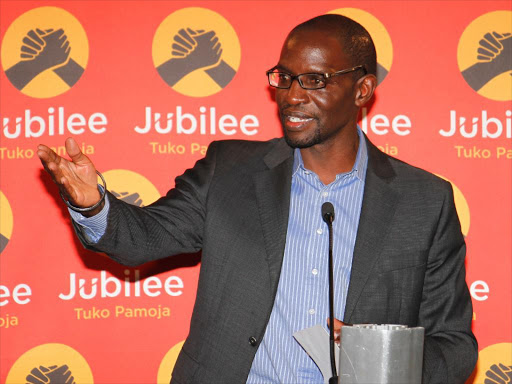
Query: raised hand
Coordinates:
[76,179]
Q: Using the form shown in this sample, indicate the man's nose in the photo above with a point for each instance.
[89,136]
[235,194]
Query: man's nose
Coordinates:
[296,94]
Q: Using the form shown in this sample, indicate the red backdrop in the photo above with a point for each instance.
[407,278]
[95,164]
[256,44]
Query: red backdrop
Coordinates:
[424,112]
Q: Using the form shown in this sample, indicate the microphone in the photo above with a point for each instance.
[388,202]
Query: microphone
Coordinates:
[328,212]
[328,217]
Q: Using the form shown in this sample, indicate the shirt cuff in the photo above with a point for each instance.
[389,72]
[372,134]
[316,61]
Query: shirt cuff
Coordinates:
[95,226]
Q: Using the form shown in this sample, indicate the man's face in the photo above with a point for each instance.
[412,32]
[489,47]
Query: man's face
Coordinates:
[311,117]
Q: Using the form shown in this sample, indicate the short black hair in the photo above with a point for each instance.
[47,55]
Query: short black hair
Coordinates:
[353,37]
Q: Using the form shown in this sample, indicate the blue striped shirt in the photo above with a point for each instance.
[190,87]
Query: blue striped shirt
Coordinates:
[302,294]
[302,298]
[93,227]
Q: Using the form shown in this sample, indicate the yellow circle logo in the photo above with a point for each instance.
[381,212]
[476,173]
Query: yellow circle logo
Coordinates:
[196,51]
[484,55]
[462,207]
[130,187]
[494,364]
[167,364]
[50,363]
[6,221]
[380,37]
[44,52]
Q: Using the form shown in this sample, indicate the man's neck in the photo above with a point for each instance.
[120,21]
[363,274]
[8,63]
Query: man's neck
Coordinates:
[332,157]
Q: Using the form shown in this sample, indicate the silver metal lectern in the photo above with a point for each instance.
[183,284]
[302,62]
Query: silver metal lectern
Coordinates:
[385,354]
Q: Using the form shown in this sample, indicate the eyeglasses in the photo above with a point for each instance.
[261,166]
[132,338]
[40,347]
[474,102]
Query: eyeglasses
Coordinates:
[284,80]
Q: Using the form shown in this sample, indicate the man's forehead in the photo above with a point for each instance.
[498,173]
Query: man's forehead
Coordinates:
[317,48]
[313,37]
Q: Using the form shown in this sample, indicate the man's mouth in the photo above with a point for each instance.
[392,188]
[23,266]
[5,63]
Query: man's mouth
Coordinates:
[296,120]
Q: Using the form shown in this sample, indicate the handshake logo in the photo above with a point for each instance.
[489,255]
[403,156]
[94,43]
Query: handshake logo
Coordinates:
[41,51]
[6,221]
[494,57]
[50,364]
[494,365]
[196,60]
[193,50]
[44,62]
[131,187]
[51,375]
[498,374]
[485,55]
[130,198]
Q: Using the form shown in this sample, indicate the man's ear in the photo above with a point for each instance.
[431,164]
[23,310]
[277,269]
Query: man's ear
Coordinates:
[365,87]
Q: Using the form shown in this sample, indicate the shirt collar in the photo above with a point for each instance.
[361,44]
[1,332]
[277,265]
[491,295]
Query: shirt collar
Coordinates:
[359,168]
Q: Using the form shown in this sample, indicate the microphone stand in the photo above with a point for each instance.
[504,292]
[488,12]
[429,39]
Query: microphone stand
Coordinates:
[328,216]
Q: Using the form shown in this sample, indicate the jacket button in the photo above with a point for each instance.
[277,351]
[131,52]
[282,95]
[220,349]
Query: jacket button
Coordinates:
[253,341]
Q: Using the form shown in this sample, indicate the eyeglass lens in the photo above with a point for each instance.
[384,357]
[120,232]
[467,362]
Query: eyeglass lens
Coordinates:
[307,81]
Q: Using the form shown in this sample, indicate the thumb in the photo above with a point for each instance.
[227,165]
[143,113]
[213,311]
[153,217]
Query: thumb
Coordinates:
[209,34]
[75,153]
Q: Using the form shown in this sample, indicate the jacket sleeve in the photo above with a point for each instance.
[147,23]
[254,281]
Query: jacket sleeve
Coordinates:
[171,225]
[450,349]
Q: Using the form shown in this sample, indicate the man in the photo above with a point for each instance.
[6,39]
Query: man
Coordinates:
[254,210]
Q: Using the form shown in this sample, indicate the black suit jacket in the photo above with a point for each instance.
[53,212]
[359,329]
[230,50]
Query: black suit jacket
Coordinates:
[408,263]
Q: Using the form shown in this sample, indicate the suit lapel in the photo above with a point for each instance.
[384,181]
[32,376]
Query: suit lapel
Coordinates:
[379,204]
[272,187]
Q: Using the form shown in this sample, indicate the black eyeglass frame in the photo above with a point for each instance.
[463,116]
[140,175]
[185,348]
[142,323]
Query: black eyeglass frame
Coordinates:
[326,76]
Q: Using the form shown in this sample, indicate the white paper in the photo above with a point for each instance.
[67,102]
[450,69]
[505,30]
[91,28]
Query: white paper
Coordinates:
[315,341]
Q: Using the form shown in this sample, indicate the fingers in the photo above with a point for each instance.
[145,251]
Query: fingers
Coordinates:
[28,52]
[75,153]
[47,155]
[184,39]
[183,43]
[210,35]
[58,33]
[34,36]
[185,36]
[486,44]
[76,179]
[492,40]
[51,163]
[45,32]
[491,46]
[179,48]
[32,44]
[188,40]
[66,188]
[337,329]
